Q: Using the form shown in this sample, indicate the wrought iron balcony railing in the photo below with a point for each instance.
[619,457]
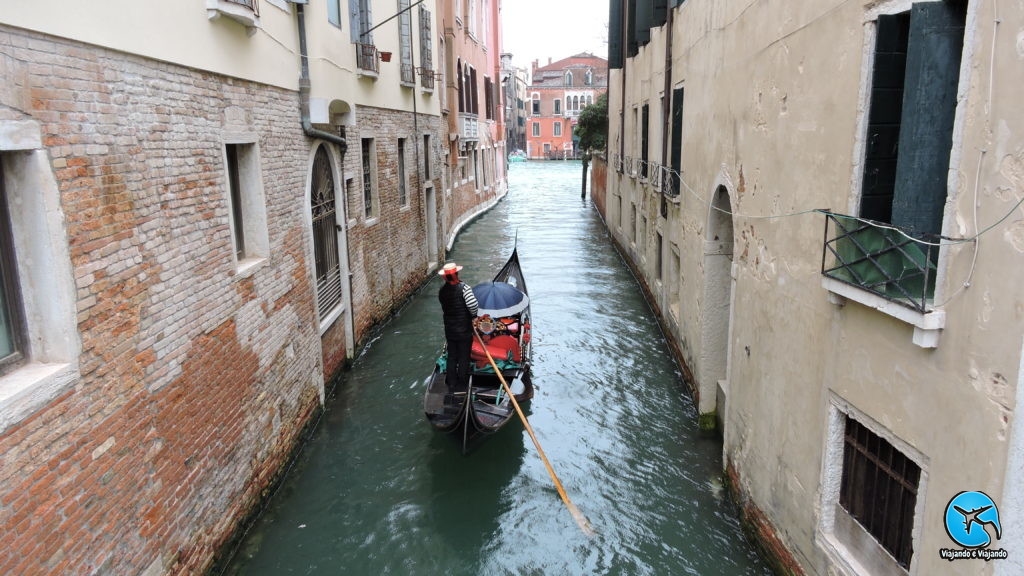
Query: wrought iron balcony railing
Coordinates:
[366,58]
[880,259]
[408,75]
[427,79]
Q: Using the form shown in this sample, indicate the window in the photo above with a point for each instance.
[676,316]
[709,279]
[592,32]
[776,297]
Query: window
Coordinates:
[558,128]
[476,167]
[403,186]
[879,489]
[360,14]
[369,161]
[547,149]
[462,86]
[235,197]
[632,219]
[248,212]
[568,78]
[643,235]
[407,72]
[471,18]
[645,121]
[488,99]
[658,257]
[906,164]
[12,327]
[427,156]
[589,78]
[676,149]
[536,128]
[558,106]
[351,200]
[334,12]
[426,51]
[326,253]
[535,105]
[674,281]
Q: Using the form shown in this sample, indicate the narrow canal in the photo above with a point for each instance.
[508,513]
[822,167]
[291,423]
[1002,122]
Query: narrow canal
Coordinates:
[377,491]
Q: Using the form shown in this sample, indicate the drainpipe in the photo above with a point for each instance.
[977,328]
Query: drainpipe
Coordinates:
[304,86]
[307,127]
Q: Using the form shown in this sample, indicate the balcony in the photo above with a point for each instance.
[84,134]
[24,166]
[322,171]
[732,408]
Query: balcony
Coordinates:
[469,126]
[880,267]
[366,58]
[245,12]
[408,75]
[427,79]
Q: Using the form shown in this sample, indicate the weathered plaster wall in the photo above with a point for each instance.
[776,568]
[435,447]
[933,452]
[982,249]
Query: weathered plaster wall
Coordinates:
[772,112]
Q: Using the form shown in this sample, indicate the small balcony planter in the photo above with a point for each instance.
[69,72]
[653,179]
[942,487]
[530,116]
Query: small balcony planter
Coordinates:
[385,56]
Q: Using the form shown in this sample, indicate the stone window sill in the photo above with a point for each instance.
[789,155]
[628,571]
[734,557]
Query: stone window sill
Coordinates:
[249,266]
[331,318]
[30,388]
[927,326]
[237,12]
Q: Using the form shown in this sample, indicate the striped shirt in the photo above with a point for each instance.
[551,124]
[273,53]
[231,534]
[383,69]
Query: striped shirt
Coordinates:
[467,295]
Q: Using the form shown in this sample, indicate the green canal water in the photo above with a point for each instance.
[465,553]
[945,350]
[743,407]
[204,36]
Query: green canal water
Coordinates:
[377,491]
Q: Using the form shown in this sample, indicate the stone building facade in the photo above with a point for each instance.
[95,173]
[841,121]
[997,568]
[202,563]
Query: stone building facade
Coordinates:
[823,204]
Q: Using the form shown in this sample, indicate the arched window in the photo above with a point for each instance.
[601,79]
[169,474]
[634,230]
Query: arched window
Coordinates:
[535,105]
[575,102]
[590,99]
[326,252]
[568,78]
[589,78]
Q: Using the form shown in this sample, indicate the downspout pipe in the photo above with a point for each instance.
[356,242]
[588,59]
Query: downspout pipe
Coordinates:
[304,87]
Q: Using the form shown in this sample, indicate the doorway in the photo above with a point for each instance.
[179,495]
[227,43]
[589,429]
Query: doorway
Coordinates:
[716,309]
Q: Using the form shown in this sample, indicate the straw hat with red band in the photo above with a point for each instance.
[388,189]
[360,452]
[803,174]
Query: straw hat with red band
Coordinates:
[449,269]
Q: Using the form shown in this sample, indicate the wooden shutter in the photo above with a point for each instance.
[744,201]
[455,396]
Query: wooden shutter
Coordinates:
[353,20]
[929,106]
[405,42]
[615,34]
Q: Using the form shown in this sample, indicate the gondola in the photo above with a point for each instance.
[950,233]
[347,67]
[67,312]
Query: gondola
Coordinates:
[484,407]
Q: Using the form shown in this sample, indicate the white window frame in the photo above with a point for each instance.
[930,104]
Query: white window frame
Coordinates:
[838,547]
[254,232]
[45,277]
[927,326]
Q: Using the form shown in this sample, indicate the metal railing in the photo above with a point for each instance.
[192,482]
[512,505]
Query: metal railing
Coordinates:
[408,74]
[880,259]
[253,5]
[366,57]
[427,79]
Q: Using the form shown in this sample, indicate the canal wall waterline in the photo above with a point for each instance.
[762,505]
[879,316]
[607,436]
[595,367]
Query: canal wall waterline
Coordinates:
[756,525]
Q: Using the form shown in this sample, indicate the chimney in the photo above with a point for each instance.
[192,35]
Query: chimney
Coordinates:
[549,60]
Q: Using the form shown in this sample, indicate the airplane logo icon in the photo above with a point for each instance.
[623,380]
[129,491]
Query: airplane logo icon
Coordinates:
[969,510]
[971,517]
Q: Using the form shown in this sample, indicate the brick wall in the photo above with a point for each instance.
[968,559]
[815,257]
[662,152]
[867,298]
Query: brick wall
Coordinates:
[195,382]
[388,254]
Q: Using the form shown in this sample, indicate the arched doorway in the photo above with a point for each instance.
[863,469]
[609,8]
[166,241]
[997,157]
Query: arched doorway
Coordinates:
[717,303]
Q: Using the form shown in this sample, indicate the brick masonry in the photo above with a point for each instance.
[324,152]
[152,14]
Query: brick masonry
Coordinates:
[195,382]
[388,253]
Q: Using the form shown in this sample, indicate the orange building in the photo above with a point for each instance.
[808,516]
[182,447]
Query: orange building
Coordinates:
[557,94]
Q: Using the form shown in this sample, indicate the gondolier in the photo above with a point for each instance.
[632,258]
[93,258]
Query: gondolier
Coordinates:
[459,307]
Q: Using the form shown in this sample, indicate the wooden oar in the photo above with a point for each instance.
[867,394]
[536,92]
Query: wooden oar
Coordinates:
[581,520]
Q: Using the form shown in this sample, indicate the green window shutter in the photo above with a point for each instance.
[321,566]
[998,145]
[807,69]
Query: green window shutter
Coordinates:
[615,34]
[929,106]
[660,12]
[644,14]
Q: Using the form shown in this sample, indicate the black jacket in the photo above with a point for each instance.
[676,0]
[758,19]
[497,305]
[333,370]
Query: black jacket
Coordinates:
[459,306]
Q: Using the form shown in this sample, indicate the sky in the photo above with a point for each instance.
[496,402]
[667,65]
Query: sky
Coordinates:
[538,29]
